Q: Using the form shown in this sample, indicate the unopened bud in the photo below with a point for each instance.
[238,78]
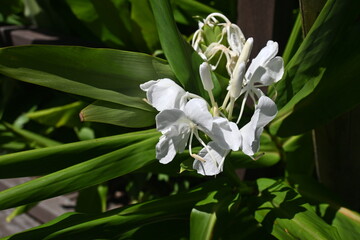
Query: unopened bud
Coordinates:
[245,53]
[205,76]
[237,80]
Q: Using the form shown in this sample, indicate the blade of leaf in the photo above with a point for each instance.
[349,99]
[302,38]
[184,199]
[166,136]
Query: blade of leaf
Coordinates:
[104,20]
[67,115]
[287,216]
[182,58]
[317,64]
[43,161]
[328,206]
[104,74]
[31,137]
[82,175]
[116,114]
[117,222]
[143,17]
[92,199]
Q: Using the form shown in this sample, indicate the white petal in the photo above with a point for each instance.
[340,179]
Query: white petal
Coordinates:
[197,111]
[248,133]
[174,120]
[226,134]
[236,38]
[213,160]
[264,56]
[165,150]
[275,69]
[265,111]
[145,86]
[164,94]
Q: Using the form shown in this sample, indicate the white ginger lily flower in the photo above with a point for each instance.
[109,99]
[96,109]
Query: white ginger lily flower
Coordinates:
[265,112]
[183,114]
[177,126]
[264,70]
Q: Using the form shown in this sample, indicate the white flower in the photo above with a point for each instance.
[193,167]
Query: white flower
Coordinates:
[264,70]
[265,111]
[183,114]
[177,126]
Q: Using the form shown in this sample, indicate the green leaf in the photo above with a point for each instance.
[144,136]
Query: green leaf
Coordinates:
[299,154]
[328,206]
[67,115]
[116,114]
[20,210]
[92,199]
[36,139]
[43,161]
[293,42]
[284,213]
[186,10]
[143,17]
[104,19]
[183,60]
[312,78]
[89,173]
[203,218]
[116,223]
[100,74]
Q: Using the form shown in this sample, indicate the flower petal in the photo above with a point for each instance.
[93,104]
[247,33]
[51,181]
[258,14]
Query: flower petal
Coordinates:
[165,150]
[265,111]
[164,94]
[173,119]
[236,38]
[226,134]
[213,160]
[264,56]
[275,69]
[197,111]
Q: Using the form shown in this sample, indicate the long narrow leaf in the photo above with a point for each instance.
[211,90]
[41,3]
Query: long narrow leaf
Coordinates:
[116,114]
[101,74]
[182,58]
[82,175]
[46,160]
[116,223]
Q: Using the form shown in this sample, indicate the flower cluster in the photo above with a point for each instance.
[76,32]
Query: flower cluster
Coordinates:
[183,115]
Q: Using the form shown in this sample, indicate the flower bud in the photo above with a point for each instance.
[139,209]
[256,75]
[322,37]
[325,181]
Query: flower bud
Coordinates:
[245,53]
[237,80]
[205,76]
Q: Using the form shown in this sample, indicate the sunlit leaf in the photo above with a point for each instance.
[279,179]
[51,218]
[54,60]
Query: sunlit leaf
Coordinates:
[46,160]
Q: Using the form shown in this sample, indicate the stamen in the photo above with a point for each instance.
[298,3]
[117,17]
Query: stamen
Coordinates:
[204,145]
[242,107]
[223,159]
[226,100]
[231,107]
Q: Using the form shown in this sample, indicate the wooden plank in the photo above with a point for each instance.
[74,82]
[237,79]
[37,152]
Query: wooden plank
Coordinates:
[18,224]
[256,19]
[43,212]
